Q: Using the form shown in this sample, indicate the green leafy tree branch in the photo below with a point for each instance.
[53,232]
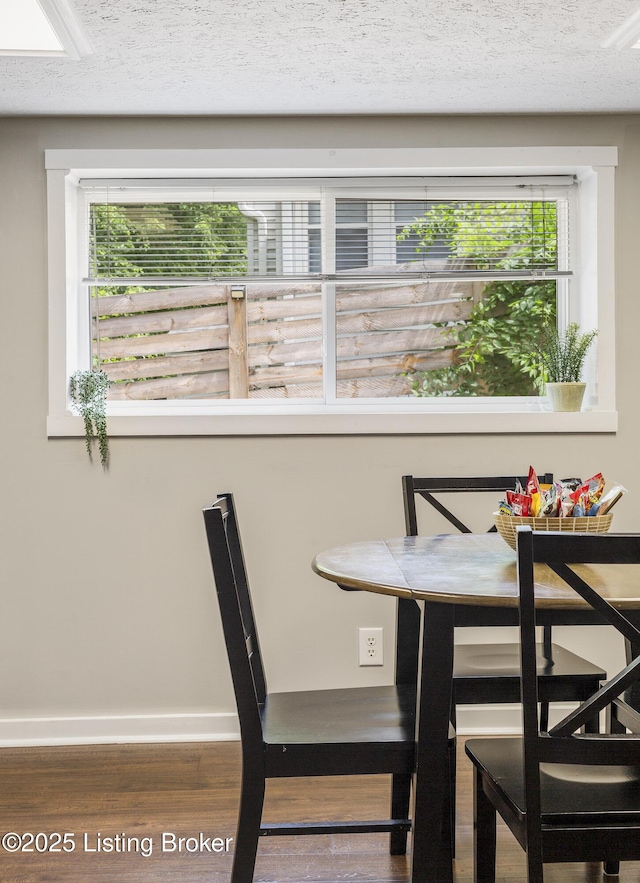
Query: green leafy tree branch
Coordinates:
[125,236]
[495,350]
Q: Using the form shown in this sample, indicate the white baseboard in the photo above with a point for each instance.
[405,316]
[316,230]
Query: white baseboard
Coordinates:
[212,727]
[103,729]
[500,720]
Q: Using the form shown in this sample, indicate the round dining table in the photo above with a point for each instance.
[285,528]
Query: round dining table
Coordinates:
[460,580]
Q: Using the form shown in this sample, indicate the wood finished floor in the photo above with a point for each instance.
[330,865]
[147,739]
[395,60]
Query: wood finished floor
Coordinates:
[144,790]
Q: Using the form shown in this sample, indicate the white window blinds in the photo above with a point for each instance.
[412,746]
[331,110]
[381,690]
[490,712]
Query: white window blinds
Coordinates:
[169,234]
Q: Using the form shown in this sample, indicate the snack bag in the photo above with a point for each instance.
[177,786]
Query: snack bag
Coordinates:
[533,491]
[596,481]
[520,503]
[587,495]
[550,502]
[571,483]
[608,501]
[504,508]
[566,487]
[580,506]
[596,486]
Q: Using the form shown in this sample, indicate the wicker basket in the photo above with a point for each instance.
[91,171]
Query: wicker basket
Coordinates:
[507,524]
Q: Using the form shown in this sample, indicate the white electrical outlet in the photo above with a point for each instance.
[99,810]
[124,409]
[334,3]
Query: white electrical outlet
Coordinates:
[370,647]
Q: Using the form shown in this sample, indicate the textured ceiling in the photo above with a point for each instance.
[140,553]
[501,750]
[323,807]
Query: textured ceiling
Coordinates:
[334,56]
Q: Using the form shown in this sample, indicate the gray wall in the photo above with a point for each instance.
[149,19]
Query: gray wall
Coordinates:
[107,601]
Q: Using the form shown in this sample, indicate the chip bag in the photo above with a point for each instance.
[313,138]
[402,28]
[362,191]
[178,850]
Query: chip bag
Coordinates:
[551,502]
[520,503]
[533,491]
[587,495]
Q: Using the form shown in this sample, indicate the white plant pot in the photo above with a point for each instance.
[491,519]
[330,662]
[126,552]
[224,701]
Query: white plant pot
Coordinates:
[566,396]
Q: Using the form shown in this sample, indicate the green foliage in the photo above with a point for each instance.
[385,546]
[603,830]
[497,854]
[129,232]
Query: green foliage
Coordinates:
[127,239]
[88,390]
[562,354]
[496,349]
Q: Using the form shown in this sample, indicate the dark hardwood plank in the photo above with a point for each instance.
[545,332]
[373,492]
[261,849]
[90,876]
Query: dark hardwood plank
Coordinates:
[143,790]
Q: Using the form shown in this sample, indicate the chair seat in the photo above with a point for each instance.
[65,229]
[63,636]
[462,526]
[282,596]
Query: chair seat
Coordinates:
[475,666]
[312,716]
[302,728]
[571,794]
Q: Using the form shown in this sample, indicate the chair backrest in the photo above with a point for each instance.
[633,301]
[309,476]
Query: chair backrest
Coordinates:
[562,743]
[408,623]
[236,611]
[427,487]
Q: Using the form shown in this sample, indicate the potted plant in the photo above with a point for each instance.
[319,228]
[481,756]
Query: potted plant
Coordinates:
[562,355]
[88,391]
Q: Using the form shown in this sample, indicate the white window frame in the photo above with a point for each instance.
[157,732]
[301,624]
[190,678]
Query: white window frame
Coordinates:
[593,264]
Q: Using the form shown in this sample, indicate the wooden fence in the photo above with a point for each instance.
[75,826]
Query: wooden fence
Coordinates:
[263,341]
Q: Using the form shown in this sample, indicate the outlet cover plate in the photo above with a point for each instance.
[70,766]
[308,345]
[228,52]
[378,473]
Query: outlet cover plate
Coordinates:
[370,646]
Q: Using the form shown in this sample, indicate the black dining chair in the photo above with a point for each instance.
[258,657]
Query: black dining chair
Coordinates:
[487,673]
[341,732]
[482,673]
[566,796]
[624,713]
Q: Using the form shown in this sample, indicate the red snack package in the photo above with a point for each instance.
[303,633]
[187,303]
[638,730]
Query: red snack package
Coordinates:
[575,495]
[587,494]
[520,503]
[596,486]
[566,487]
[533,491]
[533,487]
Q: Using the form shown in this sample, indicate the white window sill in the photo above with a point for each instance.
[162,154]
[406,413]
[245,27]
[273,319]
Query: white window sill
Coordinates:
[188,421]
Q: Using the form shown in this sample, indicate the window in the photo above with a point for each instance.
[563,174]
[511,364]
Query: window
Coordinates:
[410,297]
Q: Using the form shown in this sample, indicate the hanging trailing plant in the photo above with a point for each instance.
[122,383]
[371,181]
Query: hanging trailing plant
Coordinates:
[88,390]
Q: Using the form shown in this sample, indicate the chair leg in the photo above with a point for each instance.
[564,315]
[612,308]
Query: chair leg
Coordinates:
[452,795]
[535,874]
[449,820]
[400,803]
[544,716]
[452,774]
[612,869]
[484,834]
[613,725]
[593,725]
[248,830]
